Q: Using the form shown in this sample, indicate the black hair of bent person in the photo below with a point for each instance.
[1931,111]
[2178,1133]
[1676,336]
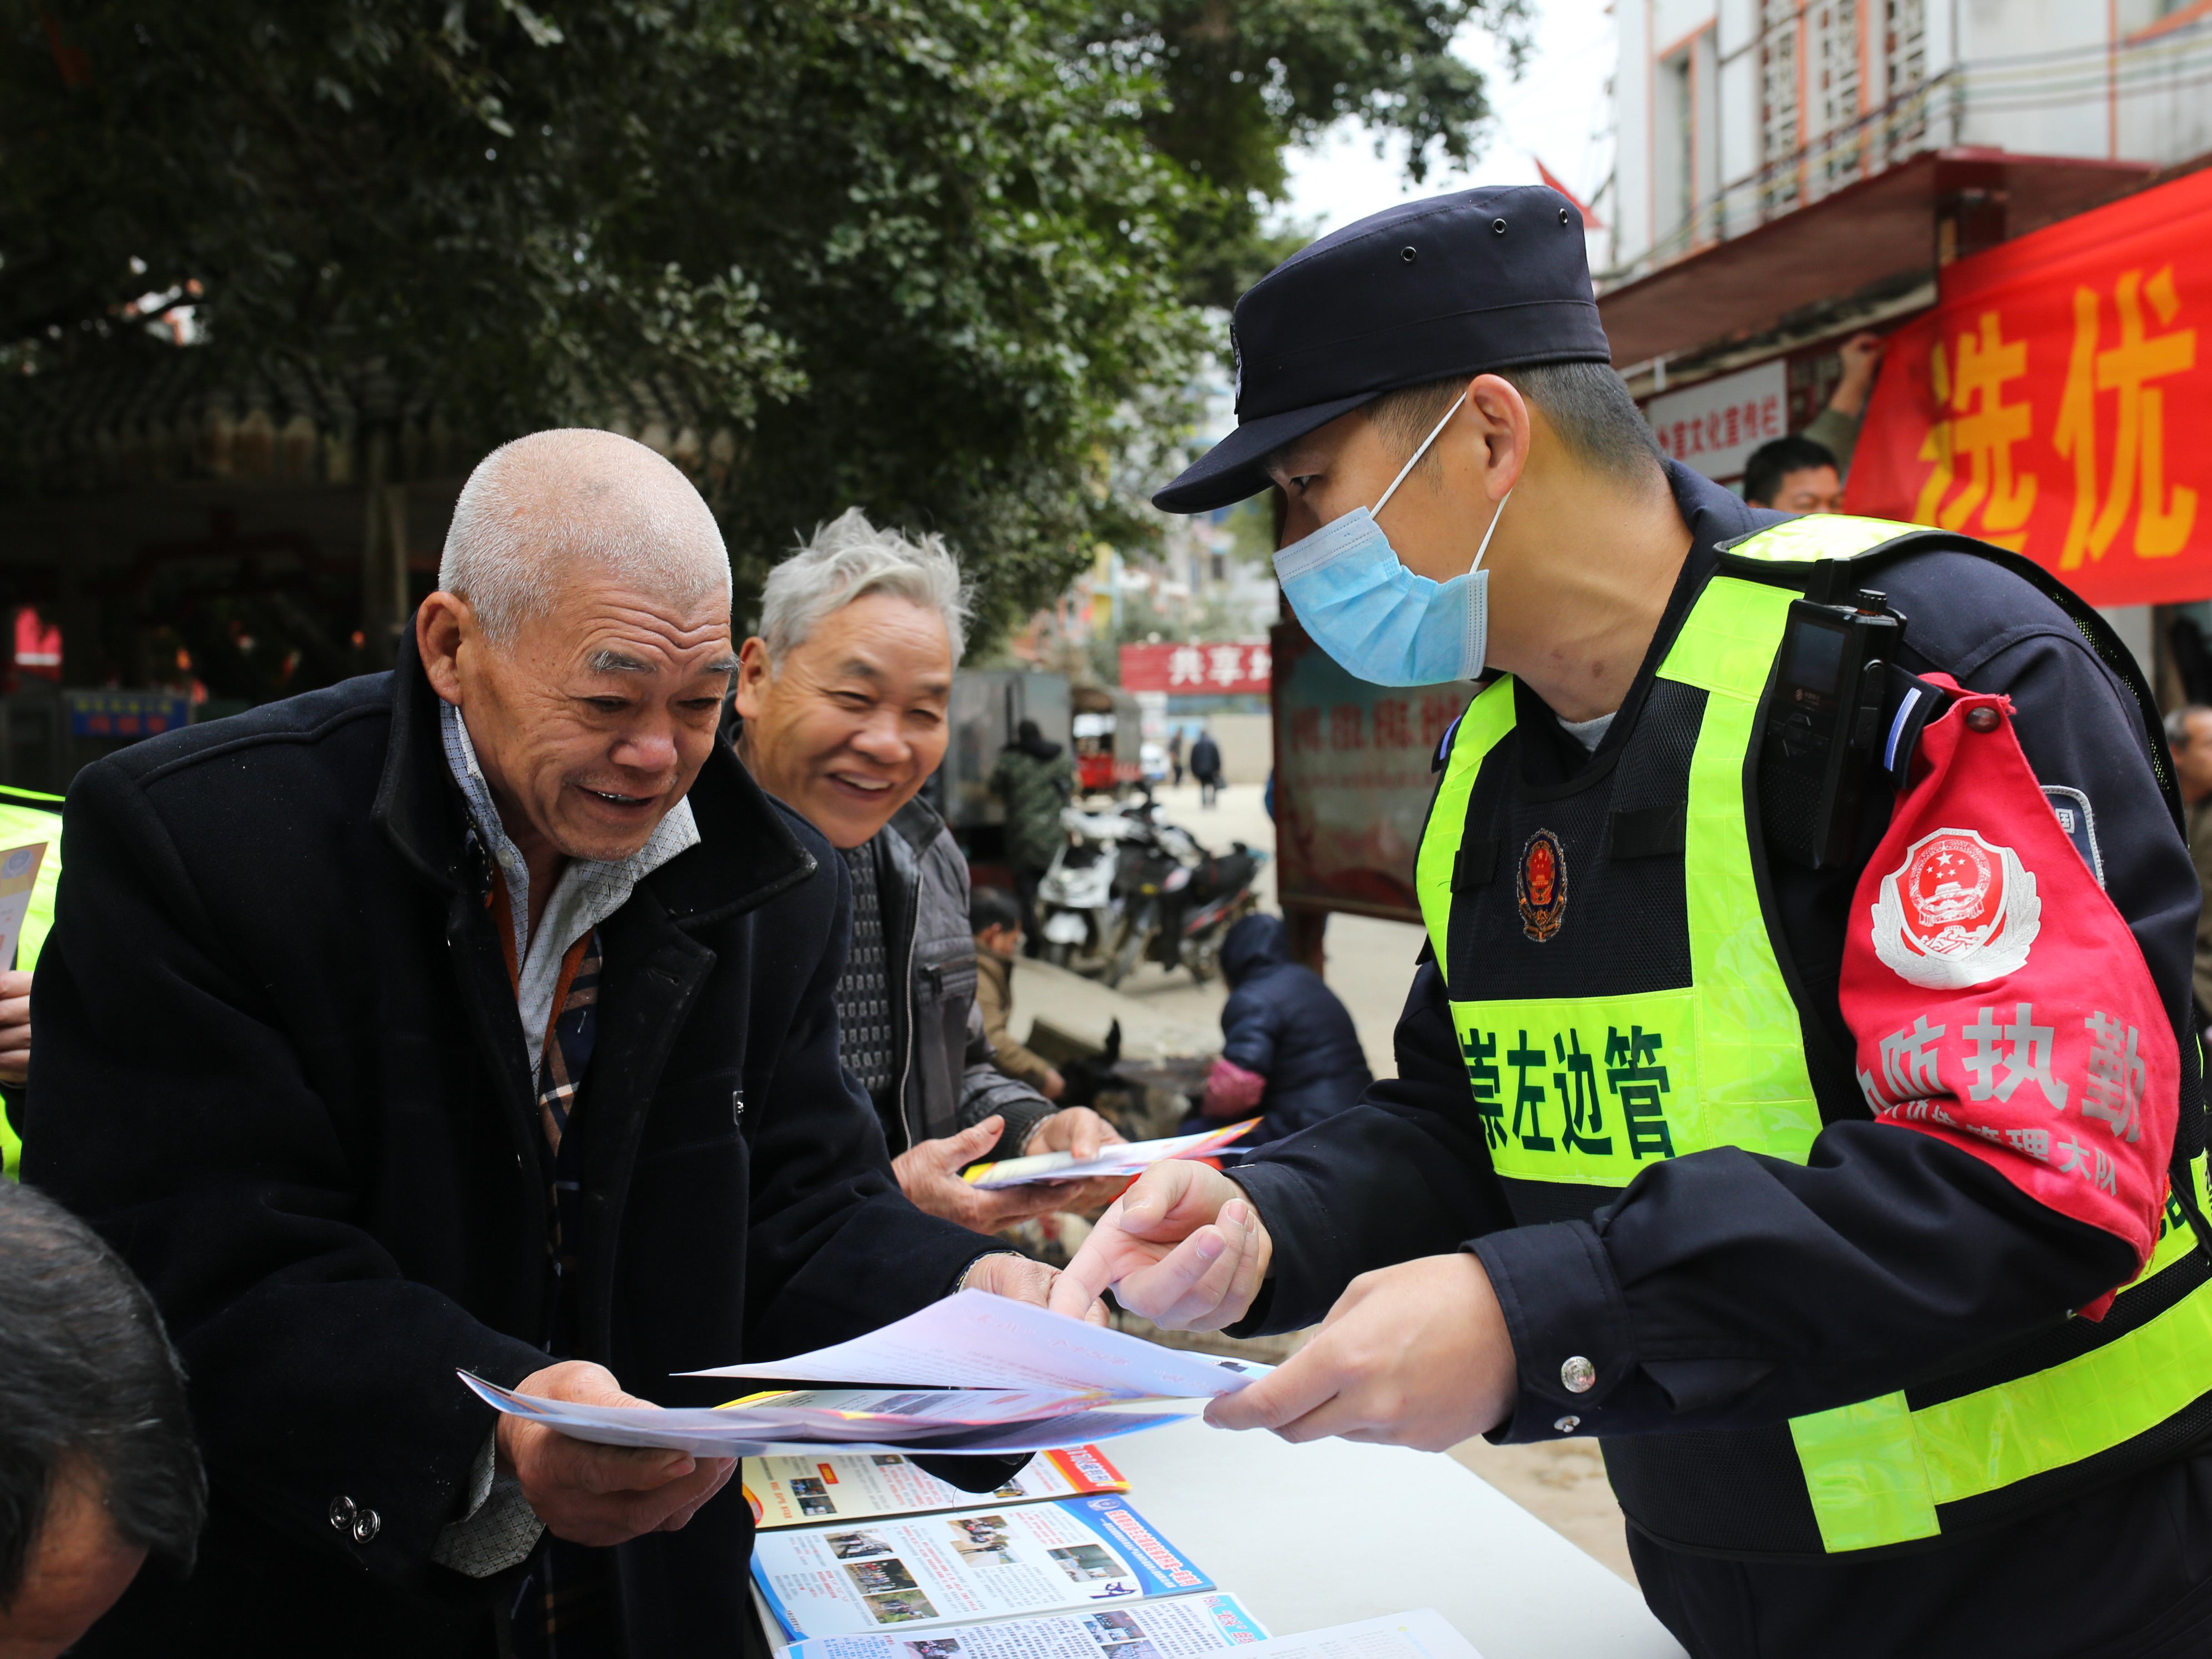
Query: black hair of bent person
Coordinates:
[992,907]
[87,1373]
[1775,461]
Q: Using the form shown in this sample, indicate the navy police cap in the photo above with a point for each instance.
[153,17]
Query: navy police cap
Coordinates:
[1460,284]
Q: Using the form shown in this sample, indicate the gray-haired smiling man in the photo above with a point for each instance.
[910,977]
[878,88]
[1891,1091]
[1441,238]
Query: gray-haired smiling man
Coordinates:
[480,1016]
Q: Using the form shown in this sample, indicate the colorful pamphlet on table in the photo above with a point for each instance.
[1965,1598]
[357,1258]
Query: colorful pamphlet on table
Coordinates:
[1130,1159]
[955,1569]
[799,1491]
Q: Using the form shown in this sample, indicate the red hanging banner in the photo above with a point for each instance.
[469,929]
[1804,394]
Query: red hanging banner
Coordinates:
[2055,402]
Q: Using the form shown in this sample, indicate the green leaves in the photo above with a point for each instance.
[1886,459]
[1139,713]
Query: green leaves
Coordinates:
[946,258]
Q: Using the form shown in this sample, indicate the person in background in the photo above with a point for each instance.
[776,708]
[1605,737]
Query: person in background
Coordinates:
[1793,475]
[842,695]
[1836,428]
[482,1017]
[1206,767]
[995,920]
[2188,735]
[1175,755]
[98,1470]
[1288,1050]
[1805,471]
[1035,779]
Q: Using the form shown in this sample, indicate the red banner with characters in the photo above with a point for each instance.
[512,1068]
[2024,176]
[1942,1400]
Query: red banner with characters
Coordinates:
[2055,402]
[1198,669]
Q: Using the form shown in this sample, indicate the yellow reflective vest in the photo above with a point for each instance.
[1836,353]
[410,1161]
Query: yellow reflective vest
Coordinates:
[1705,1049]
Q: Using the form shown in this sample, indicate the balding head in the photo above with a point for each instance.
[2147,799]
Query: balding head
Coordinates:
[544,510]
[581,628]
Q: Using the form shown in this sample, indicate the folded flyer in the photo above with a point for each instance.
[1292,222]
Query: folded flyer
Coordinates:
[1178,1628]
[861,1578]
[873,1420]
[798,1492]
[1128,1159]
[977,1341]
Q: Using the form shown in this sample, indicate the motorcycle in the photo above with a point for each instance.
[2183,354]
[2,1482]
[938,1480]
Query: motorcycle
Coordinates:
[1178,899]
[1127,888]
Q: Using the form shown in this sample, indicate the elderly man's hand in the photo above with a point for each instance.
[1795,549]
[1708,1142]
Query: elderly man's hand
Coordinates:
[929,1175]
[1020,1279]
[1184,1247]
[1082,1133]
[1414,1355]
[14,1027]
[601,1495]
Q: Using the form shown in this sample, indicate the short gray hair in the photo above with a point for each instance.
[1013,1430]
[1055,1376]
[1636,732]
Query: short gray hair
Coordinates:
[536,507]
[848,559]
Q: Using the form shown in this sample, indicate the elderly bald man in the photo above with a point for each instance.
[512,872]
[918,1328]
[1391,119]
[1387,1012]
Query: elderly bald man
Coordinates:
[476,1016]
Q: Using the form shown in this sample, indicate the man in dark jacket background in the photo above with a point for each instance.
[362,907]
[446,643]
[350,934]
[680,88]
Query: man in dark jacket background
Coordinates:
[476,1016]
[1036,779]
[843,695]
[1289,1048]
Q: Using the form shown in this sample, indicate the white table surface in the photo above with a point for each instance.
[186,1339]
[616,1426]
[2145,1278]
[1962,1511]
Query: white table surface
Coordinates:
[1324,1534]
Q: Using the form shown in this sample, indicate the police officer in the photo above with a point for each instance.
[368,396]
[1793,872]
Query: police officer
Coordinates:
[1664,1163]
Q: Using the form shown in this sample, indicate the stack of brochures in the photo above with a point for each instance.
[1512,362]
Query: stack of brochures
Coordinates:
[872,1558]
[862,1554]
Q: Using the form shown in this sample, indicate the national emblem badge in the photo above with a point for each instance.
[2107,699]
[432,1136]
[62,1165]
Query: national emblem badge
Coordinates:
[1960,911]
[1540,881]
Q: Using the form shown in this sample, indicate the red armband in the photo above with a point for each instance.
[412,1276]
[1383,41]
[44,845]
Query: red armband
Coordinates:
[1996,997]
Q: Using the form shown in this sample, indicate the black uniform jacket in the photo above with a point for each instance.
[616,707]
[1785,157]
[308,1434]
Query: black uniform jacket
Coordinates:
[1727,1289]
[279,1067]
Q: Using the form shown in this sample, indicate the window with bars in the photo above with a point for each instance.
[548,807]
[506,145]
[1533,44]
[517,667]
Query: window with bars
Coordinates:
[1832,31]
[1905,75]
[1780,127]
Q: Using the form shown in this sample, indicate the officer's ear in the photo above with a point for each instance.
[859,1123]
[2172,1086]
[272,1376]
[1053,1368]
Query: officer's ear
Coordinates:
[1500,428]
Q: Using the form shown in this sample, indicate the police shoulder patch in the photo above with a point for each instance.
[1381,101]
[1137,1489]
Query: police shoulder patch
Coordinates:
[2079,820]
[1540,881]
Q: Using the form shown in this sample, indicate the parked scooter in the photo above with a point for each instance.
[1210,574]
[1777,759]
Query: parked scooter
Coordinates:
[1078,911]
[1177,898]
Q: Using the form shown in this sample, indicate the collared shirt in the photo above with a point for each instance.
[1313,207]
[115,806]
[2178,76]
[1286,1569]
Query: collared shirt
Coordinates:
[587,892]
[498,1528]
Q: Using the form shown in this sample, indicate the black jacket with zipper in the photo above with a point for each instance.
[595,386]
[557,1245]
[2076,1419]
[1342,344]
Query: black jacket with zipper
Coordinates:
[279,1067]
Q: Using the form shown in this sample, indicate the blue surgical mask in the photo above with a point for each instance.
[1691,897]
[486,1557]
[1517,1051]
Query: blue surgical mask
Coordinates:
[1381,622]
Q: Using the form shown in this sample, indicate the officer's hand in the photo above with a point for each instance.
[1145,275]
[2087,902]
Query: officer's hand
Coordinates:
[929,1175]
[601,1495]
[14,1027]
[1183,1247]
[1020,1279]
[1414,1355]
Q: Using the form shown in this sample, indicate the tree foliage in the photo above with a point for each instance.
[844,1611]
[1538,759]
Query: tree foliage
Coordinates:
[948,258]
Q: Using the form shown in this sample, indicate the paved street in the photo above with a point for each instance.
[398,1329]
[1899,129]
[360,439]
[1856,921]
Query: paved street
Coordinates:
[1369,965]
